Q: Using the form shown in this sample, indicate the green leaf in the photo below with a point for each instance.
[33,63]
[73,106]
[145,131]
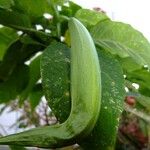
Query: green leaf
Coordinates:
[10,59]
[112,99]
[122,51]
[10,89]
[34,76]
[130,61]
[33,9]
[70,10]
[26,39]
[65,13]
[6,3]
[104,134]
[56,73]
[141,77]
[17,53]
[9,18]
[35,96]
[74,7]
[24,24]
[129,64]
[144,101]
[125,35]
[13,147]
[60,2]
[90,17]
[7,36]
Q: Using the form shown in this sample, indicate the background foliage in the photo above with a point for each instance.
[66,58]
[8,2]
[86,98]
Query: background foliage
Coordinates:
[123,53]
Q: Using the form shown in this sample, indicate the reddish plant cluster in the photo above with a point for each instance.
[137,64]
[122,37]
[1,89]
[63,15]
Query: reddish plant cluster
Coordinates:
[130,100]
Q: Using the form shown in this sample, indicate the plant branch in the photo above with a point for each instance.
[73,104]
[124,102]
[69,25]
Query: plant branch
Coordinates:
[138,113]
[57,19]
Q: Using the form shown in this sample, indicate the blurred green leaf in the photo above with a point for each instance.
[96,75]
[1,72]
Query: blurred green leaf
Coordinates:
[90,17]
[21,22]
[10,89]
[14,19]
[74,7]
[13,147]
[141,77]
[126,55]
[26,39]
[35,96]
[60,2]
[7,36]
[129,64]
[123,34]
[144,101]
[55,66]
[70,10]
[17,53]
[10,59]
[33,9]
[6,3]
[34,76]
[65,13]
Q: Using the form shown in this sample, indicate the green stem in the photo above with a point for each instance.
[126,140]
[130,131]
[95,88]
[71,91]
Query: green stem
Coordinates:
[62,17]
[57,18]
[138,113]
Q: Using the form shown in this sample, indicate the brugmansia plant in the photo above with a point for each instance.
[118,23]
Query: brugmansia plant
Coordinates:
[85,61]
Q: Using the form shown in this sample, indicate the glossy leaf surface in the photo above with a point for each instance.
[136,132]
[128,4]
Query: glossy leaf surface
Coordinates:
[137,46]
[56,75]
[7,36]
[104,134]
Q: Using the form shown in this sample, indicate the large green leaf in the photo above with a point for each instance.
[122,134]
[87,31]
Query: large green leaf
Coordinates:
[104,134]
[17,53]
[14,19]
[34,76]
[112,97]
[10,59]
[10,89]
[123,34]
[7,36]
[55,71]
[123,52]
[90,17]
[21,22]
[33,9]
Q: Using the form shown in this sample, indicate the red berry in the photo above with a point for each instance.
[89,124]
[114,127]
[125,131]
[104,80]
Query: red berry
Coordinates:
[130,100]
